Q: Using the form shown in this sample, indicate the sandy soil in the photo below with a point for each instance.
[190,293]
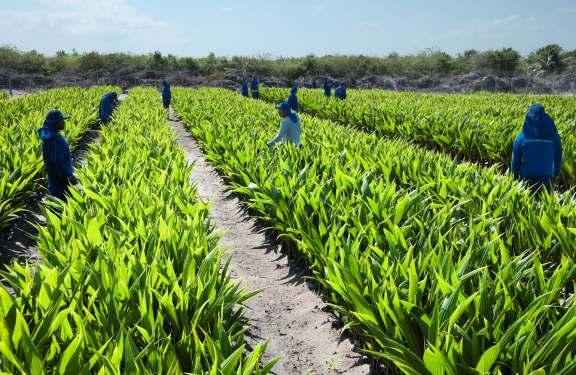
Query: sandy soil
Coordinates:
[287,312]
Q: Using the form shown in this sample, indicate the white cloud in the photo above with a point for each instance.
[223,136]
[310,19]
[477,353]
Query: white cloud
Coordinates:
[103,25]
[80,17]
[226,9]
[506,20]
[493,27]
[372,25]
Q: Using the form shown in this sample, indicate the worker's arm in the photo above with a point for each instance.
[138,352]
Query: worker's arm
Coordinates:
[517,157]
[282,133]
[557,155]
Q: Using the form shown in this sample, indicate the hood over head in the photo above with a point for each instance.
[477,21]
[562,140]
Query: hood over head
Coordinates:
[538,124]
[111,96]
[286,107]
[48,129]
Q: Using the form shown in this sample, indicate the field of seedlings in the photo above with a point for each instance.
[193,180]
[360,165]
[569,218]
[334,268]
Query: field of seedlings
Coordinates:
[441,268]
[21,156]
[479,127]
[131,278]
[433,259]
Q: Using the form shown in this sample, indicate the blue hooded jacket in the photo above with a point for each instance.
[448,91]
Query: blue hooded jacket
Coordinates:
[327,89]
[293,99]
[537,150]
[244,89]
[254,85]
[57,158]
[166,94]
[340,92]
[107,105]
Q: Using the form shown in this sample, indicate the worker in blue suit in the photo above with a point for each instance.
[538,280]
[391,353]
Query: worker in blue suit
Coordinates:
[327,89]
[537,151]
[255,88]
[166,94]
[244,89]
[340,92]
[56,154]
[293,99]
[107,105]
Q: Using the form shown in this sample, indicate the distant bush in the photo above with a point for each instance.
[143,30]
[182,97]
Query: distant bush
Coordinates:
[503,62]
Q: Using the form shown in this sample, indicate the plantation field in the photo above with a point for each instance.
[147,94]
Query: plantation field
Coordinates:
[440,267]
[434,264]
[131,279]
[479,127]
[21,154]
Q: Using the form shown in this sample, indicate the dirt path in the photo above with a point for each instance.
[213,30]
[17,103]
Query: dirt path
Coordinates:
[18,241]
[287,312]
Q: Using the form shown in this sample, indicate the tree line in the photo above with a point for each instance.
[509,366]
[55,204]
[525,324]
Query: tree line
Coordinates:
[549,59]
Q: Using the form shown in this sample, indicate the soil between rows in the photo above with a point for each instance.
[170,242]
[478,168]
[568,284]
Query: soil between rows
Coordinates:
[287,312]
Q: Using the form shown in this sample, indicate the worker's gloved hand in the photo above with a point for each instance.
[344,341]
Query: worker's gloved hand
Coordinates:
[73,180]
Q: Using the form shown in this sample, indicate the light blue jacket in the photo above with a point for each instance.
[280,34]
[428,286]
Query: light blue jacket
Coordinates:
[290,131]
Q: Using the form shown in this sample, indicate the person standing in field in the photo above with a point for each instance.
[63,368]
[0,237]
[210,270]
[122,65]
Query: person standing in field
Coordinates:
[107,105]
[290,129]
[244,89]
[166,94]
[327,89]
[340,92]
[255,88]
[56,154]
[537,151]
[293,99]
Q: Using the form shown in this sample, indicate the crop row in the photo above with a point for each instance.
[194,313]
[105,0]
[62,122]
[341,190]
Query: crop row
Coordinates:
[20,150]
[440,267]
[479,127]
[130,279]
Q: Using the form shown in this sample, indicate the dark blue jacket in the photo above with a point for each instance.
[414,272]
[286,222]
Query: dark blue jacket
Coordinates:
[57,160]
[166,94]
[537,149]
[107,105]
[254,85]
[293,99]
[340,92]
[244,89]
[327,89]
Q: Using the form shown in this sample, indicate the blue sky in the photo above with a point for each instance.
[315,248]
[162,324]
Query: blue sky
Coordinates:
[290,28]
